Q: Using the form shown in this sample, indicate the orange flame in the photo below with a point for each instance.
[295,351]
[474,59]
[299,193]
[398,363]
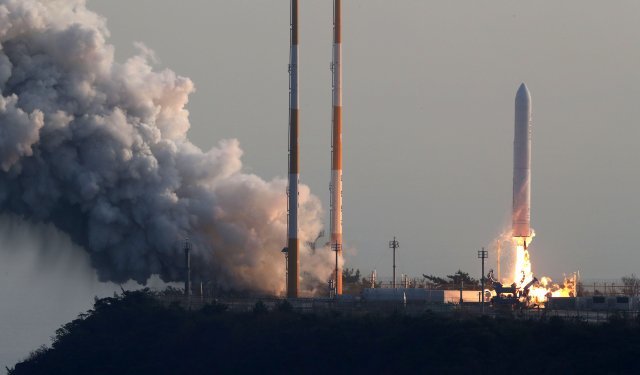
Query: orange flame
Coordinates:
[522,274]
[540,292]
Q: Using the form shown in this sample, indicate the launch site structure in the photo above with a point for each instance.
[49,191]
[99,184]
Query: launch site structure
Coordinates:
[293,261]
[336,144]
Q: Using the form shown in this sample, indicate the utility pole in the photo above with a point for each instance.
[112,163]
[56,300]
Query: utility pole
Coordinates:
[482,255]
[394,245]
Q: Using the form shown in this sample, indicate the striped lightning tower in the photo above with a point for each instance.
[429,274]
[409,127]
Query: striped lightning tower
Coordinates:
[294,173]
[336,143]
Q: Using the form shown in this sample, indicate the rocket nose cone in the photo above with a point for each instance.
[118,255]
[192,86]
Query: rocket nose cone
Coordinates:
[523,93]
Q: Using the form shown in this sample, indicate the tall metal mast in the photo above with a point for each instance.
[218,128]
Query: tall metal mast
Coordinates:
[294,172]
[336,143]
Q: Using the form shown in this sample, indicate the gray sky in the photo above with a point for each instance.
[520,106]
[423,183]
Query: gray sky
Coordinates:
[429,88]
[428,117]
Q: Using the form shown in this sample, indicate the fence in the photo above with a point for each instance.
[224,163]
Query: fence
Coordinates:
[404,281]
[414,308]
[622,287]
[626,286]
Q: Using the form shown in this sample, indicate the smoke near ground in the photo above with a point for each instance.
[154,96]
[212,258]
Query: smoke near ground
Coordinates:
[99,149]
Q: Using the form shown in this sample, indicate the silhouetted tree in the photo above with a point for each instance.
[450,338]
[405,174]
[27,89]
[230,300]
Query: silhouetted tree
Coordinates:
[260,308]
[214,308]
[451,281]
[350,276]
[136,334]
[285,306]
[631,285]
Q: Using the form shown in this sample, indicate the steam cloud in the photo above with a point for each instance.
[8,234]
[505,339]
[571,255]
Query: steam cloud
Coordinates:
[99,149]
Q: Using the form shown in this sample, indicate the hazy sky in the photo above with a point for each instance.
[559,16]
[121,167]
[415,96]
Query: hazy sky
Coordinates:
[428,117]
[429,89]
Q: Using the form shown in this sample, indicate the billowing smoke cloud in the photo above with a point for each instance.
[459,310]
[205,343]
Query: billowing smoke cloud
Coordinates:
[99,149]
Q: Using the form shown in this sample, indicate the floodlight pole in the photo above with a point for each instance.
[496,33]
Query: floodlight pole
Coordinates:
[482,255]
[394,245]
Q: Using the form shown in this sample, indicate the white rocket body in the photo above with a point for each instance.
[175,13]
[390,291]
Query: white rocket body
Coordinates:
[521,215]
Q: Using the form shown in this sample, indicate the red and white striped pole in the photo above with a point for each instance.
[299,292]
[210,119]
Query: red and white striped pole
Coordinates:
[336,143]
[294,172]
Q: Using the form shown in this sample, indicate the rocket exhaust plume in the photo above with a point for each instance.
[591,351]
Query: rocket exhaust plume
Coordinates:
[336,144]
[294,173]
[99,149]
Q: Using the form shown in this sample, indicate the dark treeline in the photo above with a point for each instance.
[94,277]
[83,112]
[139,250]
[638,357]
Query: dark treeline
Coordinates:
[135,334]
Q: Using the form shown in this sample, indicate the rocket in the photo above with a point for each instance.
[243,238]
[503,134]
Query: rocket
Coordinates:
[521,214]
[293,261]
[336,143]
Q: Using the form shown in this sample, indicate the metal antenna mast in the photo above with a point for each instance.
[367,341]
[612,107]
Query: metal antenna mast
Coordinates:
[482,254]
[293,262]
[394,245]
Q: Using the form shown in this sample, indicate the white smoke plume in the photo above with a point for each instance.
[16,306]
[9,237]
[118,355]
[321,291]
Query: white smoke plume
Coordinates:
[99,149]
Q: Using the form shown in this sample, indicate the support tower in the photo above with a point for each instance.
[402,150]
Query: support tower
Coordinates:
[294,173]
[336,143]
